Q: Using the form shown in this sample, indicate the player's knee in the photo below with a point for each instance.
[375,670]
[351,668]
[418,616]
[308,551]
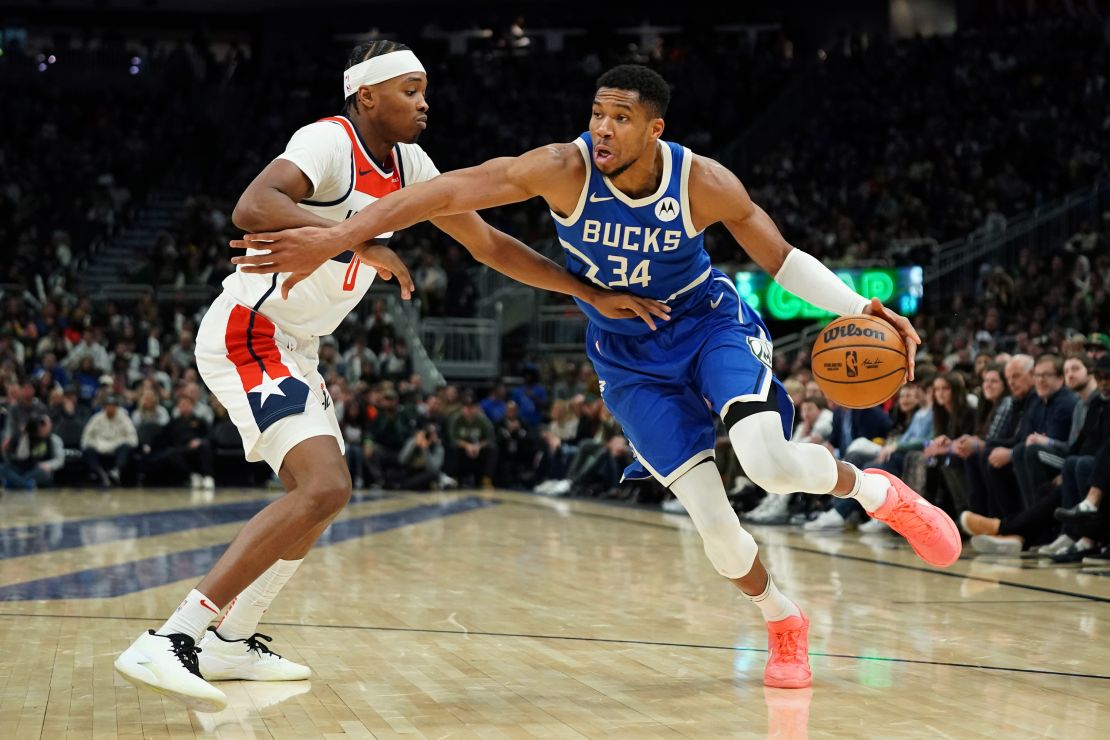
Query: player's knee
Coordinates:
[328,497]
[768,466]
[730,548]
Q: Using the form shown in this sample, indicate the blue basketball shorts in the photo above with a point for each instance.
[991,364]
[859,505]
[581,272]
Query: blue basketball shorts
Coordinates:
[667,387]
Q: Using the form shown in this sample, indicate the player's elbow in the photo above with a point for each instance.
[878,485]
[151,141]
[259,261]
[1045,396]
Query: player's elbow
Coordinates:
[247,215]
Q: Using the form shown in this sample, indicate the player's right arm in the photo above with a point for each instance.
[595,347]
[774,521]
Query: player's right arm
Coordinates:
[271,202]
[541,172]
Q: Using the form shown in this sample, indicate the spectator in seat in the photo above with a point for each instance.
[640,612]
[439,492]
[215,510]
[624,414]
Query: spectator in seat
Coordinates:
[35,459]
[421,461]
[108,441]
[1048,419]
[474,453]
[183,448]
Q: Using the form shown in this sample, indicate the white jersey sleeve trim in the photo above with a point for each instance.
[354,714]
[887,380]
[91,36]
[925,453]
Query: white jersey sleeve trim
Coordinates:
[415,164]
[684,193]
[572,219]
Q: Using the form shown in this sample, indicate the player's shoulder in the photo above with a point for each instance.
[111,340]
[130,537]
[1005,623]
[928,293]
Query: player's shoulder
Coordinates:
[322,133]
[708,171]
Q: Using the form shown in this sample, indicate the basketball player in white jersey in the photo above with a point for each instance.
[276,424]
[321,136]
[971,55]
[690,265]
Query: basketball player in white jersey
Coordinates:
[257,351]
[630,210]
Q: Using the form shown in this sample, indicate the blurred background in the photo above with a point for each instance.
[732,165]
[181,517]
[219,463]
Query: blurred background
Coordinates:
[948,156]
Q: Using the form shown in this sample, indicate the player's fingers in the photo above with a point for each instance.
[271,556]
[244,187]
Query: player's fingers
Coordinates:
[660,310]
[253,259]
[267,269]
[273,237]
[288,283]
[240,244]
[385,274]
[643,314]
[404,279]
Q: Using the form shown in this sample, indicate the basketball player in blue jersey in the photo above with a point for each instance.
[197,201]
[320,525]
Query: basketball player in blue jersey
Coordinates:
[257,353]
[630,211]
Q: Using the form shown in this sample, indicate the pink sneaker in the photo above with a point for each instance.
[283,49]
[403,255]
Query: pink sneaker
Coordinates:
[931,533]
[788,664]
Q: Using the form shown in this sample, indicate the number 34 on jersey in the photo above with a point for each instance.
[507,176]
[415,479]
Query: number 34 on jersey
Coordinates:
[627,271]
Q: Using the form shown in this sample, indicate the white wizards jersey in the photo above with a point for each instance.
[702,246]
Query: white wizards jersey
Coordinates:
[345,180]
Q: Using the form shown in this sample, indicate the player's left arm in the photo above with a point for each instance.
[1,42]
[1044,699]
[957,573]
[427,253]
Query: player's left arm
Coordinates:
[717,195]
[513,258]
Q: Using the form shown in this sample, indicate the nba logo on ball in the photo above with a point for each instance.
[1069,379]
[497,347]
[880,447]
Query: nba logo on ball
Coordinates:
[666,209]
[859,361]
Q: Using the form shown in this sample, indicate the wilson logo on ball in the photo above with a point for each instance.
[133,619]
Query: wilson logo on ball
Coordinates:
[851,330]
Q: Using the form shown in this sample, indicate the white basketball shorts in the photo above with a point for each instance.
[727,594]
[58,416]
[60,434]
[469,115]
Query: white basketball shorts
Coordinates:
[266,379]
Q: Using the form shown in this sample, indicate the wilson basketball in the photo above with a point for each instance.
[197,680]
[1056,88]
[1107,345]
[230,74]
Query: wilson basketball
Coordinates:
[859,361]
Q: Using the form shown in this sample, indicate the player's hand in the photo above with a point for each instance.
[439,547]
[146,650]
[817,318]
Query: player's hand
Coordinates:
[613,305]
[904,327]
[297,251]
[389,265]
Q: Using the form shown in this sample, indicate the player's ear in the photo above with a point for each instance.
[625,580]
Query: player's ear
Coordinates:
[655,129]
[365,96]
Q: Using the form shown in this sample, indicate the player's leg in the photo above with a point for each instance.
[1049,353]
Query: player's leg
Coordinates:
[673,433]
[734,555]
[780,466]
[288,424]
[233,648]
[734,372]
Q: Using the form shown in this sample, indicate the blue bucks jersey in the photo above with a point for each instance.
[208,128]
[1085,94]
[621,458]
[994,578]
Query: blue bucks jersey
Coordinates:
[645,246]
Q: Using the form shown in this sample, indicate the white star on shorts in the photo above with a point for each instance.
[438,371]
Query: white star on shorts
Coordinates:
[268,387]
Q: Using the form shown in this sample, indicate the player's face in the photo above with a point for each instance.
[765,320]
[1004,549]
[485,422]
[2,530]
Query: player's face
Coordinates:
[623,130]
[402,106]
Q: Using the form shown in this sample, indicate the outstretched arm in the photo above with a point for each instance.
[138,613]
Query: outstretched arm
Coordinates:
[717,195]
[497,182]
[553,172]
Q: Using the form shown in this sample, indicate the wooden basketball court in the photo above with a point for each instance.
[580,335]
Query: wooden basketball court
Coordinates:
[500,615]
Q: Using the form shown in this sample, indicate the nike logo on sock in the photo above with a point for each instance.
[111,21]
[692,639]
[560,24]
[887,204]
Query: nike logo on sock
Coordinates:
[208,606]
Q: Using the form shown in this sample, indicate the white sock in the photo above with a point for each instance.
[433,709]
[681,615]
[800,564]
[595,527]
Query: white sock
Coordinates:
[191,617]
[773,604]
[246,610]
[870,490]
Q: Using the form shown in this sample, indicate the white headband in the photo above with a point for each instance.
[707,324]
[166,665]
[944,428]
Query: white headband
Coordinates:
[378,69]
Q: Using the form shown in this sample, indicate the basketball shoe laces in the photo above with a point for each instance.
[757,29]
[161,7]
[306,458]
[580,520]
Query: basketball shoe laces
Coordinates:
[185,650]
[260,647]
[786,646]
[908,517]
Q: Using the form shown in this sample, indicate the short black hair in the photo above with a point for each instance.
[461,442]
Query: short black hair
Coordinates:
[653,90]
[364,51]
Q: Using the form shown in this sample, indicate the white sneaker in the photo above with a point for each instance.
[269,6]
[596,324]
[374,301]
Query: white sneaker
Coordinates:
[195,481]
[874,526]
[1059,546]
[246,660]
[446,481]
[989,544]
[673,506]
[773,509]
[542,488]
[558,488]
[208,482]
[167,664]
[828,521]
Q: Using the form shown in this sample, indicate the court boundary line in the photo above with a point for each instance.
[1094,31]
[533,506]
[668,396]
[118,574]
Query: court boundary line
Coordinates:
[608,640]
[857,558]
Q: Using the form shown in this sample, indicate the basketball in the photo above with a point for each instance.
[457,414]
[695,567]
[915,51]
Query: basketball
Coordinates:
[859,361]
